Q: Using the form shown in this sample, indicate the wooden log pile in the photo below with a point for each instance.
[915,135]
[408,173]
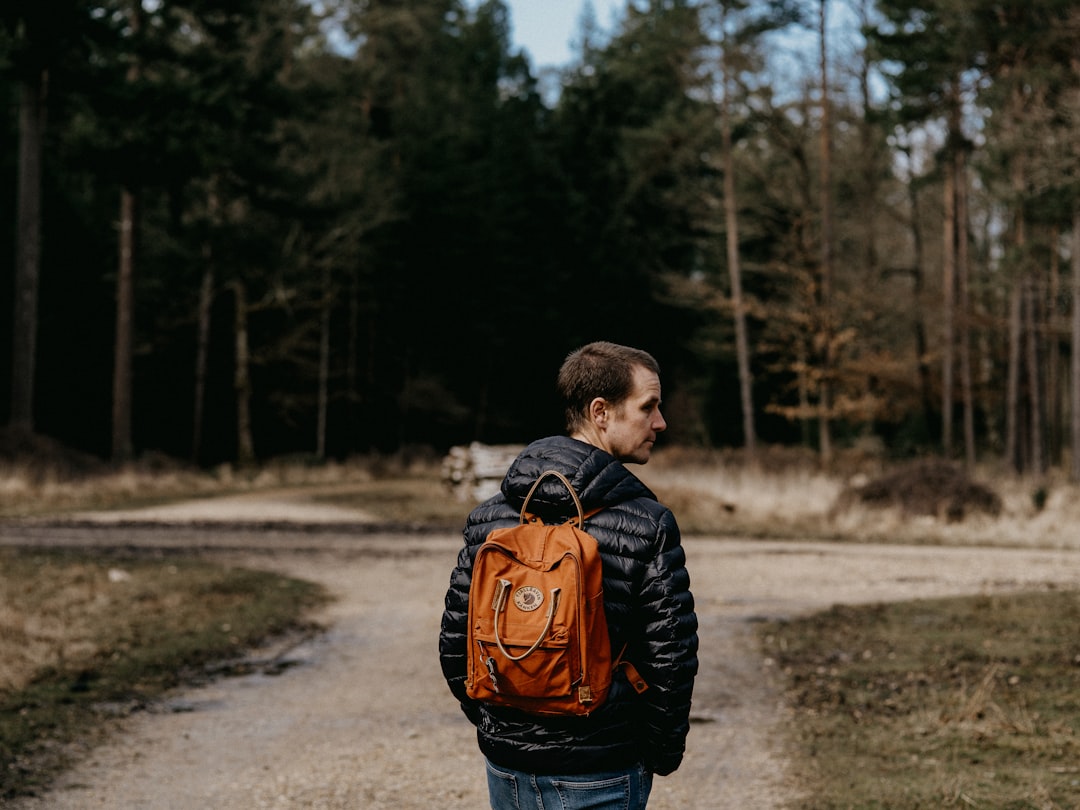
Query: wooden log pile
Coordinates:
[474,472]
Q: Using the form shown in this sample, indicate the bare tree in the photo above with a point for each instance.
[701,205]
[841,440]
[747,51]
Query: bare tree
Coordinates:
[826,326]
[122,446]
[1031,346]
[1075,369]
[245,444]
[948,306]
[32,116]
[1012,404]
[202,350]
[125,304]
[1054,403]
[963,300]
[324,364]
[731,222]
[1015,447]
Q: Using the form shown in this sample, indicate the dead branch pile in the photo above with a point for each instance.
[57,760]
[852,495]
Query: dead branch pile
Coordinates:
[926,487]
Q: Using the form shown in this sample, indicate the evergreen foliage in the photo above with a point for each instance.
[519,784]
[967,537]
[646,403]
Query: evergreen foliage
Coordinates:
[362,226]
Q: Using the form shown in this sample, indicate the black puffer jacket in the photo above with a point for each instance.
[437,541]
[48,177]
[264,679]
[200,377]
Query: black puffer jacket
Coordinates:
[648,604]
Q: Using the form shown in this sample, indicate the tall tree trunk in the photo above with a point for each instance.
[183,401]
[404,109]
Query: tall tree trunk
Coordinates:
[352,362]
[825,394]
[203,317]
[731,221]
[948,307]
[202,351]
[869,137]
[1012,405]
[122,445]
[125,300]
[245,445]
[32,115]
[1055,407]
[1013,422]
[802,362]
[963,275]
[324,368]
[1074,465]
[982,302]
[918,290]
[1031,316]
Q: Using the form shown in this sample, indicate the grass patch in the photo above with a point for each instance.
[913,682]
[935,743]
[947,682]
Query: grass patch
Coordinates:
[87,637]
[965,702]
[418,500]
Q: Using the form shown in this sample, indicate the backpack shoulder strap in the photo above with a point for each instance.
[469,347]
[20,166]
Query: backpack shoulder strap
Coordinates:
[529,517]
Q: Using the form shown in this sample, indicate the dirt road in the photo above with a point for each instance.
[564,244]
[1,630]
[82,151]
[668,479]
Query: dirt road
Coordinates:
[360,718]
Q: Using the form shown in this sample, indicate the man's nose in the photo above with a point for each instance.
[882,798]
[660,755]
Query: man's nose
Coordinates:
[658,423]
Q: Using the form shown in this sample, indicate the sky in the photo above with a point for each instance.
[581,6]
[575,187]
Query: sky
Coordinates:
[546,28]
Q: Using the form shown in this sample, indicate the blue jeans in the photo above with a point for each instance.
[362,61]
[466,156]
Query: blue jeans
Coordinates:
[613,790]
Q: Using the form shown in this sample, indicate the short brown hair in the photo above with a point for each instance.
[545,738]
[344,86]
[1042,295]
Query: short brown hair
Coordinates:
[599,369]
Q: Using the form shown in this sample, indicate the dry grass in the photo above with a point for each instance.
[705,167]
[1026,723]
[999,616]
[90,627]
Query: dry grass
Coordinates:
[715,493]
[31,486]
[787,495]
[969,702]
[85,637]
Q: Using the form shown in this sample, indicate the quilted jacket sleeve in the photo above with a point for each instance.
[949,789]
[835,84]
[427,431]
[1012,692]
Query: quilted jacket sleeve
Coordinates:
[453,634]
[669,664]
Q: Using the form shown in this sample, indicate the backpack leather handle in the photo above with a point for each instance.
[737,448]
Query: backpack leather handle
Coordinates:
[501,598]
[569,488]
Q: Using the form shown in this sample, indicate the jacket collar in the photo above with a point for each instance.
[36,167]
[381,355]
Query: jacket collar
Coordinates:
[599,478]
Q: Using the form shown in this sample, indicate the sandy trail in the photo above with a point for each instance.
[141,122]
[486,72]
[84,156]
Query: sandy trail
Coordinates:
[363,720]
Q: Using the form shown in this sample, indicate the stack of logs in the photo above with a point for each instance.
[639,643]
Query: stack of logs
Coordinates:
[474,472]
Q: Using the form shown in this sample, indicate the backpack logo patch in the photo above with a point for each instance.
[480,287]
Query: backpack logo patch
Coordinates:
[527,598]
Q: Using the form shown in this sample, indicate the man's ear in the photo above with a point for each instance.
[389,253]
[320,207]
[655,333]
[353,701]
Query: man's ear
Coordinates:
[598,412]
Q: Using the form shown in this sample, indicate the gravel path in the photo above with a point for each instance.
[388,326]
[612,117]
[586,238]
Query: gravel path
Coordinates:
[360,718]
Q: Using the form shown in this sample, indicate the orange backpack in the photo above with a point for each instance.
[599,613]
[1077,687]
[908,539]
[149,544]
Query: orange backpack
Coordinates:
[538,636]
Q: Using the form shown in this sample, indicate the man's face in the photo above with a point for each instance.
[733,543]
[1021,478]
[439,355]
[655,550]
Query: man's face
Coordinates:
[632,426]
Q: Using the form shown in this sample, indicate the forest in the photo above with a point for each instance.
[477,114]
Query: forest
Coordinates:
[242,229]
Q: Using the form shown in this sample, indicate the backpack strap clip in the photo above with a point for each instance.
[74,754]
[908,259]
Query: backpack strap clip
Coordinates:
[633,677]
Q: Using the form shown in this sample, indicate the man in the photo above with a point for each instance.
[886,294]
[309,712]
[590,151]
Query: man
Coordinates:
[612,399]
